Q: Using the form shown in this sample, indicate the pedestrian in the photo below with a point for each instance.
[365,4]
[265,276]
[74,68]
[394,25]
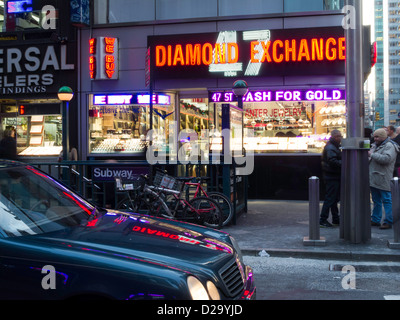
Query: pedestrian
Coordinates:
[382,157]
[368,134]
[391,132]
[8,145]
[331,170]
[396,138]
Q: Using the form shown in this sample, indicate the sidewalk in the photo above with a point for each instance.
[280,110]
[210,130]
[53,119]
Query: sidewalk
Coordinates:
[279,226]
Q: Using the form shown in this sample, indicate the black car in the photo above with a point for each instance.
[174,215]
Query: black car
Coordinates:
[56,245]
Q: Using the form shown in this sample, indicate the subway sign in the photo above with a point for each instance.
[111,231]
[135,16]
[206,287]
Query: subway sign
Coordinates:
[285,52]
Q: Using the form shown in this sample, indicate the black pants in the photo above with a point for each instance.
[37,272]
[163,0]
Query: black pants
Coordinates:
[332,197]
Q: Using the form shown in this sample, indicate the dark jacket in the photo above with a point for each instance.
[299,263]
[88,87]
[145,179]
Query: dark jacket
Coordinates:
[331,160]
[397,140]
[8,148]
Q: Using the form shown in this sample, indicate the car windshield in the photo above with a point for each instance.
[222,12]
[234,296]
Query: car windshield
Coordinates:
[31,203]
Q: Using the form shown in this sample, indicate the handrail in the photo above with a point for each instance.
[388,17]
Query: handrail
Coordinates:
[78,175]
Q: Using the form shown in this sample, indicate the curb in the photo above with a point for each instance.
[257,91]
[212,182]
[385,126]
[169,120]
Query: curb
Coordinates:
[332,255]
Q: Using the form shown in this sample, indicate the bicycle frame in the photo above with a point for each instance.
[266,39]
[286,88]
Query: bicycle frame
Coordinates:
[176,195]
[198,188]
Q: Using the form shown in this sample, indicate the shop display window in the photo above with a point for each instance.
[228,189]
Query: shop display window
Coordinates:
[39,136]
[292,126]
[37,125]
[121,123]
[36,135]
[194,124]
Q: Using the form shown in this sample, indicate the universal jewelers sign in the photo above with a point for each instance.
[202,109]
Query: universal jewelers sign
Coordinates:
[36,69]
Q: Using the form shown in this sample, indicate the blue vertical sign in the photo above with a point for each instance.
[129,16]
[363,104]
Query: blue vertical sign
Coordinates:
[80,13]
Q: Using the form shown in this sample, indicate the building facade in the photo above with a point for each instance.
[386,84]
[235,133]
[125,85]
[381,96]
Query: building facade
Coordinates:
[387,91]
[38,48]
[170,66]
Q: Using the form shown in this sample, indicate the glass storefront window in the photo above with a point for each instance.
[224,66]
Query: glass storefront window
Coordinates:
[39,135]
[120,123]
[292,126]
[230,120]
[194,125]
[37,126]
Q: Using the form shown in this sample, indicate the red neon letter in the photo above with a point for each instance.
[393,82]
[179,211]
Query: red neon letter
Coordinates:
[220,53]
[161,56]
[342,48]
[207,50]
[291,49]
[303,50]
[266,54]
[317,51]
[193,56]
[178,57]
[330,53]
[274,51]
[233,57]
[253,51]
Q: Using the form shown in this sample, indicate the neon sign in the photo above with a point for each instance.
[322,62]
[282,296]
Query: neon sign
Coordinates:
[282,95]
[92,58]
[299,50]
[128,99]
[103,58]
[308,51]
[196,54]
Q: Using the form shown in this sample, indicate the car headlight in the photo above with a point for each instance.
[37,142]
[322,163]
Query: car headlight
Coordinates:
[213,291]
[196,289]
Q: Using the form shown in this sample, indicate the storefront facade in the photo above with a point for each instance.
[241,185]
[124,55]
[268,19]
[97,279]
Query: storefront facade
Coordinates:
[37,57]
[184,72]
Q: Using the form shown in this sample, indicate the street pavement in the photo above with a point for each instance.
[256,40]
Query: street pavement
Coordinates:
[277,228]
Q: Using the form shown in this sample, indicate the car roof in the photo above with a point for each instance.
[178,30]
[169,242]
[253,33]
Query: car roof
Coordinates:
[11,163]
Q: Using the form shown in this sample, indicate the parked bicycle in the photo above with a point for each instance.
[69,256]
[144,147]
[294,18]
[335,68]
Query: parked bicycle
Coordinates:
[152,198]
[192,188]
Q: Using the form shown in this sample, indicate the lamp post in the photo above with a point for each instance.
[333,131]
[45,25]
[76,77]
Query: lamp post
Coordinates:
[240,88]
[65,94]
[355,209]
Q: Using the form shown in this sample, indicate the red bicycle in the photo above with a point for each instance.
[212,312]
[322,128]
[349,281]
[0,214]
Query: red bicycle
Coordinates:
[192,188]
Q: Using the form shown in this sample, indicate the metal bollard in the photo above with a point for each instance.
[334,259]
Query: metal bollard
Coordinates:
[395,189]
[314,238]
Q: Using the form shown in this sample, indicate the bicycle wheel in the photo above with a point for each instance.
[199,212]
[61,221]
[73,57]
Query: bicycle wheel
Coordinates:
[167,201]
[138,205]
[205,211]
[225,204]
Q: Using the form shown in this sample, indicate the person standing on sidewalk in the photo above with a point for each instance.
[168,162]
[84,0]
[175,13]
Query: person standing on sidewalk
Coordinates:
[331,170]
[382,158]
[394,136]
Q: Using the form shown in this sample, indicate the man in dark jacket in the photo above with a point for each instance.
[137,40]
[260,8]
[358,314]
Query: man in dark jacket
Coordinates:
[395,136]
[8,145]
[331,170]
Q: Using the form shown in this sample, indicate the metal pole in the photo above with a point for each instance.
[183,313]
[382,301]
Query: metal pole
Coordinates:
[354,73]
[355,225]
[65,127]
[314,238]
[395,188]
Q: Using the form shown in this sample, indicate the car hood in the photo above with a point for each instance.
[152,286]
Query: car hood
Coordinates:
[133,236]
